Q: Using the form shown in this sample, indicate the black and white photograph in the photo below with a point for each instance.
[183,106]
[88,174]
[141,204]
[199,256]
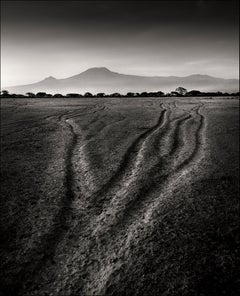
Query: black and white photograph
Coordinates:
[119,148]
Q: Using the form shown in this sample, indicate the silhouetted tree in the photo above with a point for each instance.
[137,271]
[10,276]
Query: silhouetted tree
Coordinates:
[30,94]
[73,95]
[5,94]
[181,91]
[151,94]
[115,95]
[130,94]
[174,94]
[88,94]
[101,95]
[58,96]
[41,95]
[144,94]
[159,93]
[193,93]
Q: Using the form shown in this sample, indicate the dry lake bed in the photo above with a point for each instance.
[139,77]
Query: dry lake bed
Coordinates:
[120,196]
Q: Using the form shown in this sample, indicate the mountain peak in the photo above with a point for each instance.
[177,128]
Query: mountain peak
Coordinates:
[49,78]
[200,76]
[97,70]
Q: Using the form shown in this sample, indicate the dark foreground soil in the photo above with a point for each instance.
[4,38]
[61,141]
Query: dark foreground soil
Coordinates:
[120,197]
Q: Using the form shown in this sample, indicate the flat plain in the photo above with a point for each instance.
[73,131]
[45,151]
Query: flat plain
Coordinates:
[120,196]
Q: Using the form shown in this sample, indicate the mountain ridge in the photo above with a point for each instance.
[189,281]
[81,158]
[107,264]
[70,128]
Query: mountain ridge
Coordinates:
[101,79]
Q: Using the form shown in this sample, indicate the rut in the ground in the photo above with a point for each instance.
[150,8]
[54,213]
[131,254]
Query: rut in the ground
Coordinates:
[108,234]
[50,240]
[144,172]
[156,157]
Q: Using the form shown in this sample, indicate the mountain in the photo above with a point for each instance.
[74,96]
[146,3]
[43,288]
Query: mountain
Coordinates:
[96,80]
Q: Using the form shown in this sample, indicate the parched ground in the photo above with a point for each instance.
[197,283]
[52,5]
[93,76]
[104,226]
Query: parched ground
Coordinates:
[130,196]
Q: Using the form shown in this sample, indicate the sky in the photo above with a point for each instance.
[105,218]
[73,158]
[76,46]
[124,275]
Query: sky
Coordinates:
[159,38]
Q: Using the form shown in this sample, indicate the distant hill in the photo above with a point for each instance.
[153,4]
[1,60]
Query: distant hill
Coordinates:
[96,80]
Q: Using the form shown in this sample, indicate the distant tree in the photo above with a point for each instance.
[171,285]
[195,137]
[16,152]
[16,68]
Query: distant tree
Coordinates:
[88,94]
[144,94]
[30,95]
[174,93]
[5,93]
[181,91]
[207,94]
[101,95]
[159,93]
[193,93]
[115,95]
[236,94]
[73,95]
[58,96]
[48,96]
[151,94]
[41,95]
[130,94]
[13,95]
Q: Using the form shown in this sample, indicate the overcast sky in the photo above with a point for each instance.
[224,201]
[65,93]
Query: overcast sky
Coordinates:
[63,38]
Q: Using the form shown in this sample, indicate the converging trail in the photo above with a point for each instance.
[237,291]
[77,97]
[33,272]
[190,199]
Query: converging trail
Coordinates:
[120,196]
[151,163]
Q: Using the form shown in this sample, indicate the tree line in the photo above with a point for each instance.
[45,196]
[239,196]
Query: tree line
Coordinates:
[179,92]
